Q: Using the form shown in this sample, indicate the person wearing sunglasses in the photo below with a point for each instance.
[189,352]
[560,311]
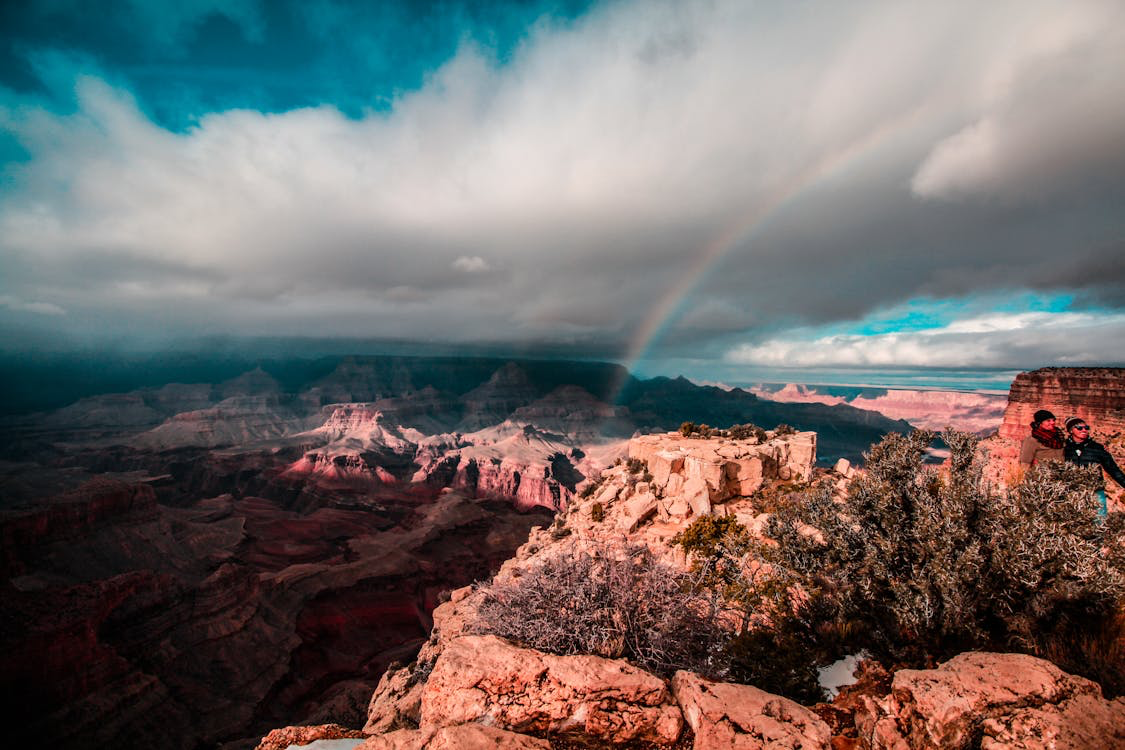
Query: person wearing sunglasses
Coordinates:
[1083,450]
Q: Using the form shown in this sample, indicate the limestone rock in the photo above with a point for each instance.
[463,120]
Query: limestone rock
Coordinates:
[636,511]
[742,717]
[280,739]
[460,737]
[484,678]
[1019,700]
[696,494]
[396,702]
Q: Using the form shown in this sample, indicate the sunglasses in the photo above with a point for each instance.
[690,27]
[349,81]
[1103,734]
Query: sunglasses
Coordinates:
[1081,427]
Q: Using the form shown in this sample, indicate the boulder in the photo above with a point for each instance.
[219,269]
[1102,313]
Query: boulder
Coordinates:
[742,717]
[664,464]
[460,737]
[697,494]
[487,679]
[636,511]
[748,475]
[1018,701]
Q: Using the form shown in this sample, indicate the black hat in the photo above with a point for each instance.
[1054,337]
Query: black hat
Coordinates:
[1041,416]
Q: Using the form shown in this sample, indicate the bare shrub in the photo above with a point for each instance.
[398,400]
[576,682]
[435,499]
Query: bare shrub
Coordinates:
[609,602]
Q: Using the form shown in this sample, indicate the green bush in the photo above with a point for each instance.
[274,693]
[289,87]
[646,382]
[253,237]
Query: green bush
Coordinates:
[636,466]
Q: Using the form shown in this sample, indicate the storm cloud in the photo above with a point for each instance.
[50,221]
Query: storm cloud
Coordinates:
[647,179]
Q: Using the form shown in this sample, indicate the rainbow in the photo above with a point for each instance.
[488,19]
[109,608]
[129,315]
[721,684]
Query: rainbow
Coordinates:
[669,308]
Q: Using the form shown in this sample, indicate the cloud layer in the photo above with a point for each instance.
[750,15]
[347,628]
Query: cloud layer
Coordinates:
[783,166]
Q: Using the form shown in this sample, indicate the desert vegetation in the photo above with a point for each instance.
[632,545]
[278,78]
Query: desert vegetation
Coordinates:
[915,564]
[611,602]
[746,431]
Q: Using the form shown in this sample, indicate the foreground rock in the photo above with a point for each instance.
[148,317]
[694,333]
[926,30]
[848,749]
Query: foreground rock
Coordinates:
[992,701]
[485,679]
[723,715]
[462,737]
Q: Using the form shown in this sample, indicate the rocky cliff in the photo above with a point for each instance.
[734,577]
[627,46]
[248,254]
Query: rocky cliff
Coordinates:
[470,689]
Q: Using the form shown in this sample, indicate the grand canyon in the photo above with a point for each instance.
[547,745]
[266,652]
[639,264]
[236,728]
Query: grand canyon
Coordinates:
[222,558]
[561,374]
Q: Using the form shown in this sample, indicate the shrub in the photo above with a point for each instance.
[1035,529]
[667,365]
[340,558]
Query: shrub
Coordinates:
[784,429]
[929,562]
[622,603]
[636,466]
[747,431]
[597,512]
[687,428]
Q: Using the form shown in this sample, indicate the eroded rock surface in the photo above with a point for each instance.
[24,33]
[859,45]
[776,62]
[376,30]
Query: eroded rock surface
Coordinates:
[486,679]
[738,717]
[996,700]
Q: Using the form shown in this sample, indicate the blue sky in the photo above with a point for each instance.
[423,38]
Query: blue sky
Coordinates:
[717,188]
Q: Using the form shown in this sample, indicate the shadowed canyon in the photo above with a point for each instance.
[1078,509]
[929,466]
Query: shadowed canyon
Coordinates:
[192,563]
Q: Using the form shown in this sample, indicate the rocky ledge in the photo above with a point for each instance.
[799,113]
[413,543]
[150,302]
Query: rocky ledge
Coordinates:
[468,689]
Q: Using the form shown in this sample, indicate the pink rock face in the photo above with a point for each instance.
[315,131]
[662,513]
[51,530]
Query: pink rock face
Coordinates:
[724,715]
[462,737]
[1018,699]
[704,472]
[931,410]
[486,679]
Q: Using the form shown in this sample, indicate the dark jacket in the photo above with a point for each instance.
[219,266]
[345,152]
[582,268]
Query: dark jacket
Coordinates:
[1090,452]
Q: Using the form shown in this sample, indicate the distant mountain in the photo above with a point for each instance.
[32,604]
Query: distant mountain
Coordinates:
[979,413]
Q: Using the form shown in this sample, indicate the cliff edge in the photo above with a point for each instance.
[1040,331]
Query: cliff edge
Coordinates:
[471,689]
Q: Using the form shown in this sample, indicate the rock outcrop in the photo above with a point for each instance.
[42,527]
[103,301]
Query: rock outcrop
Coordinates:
[992,701]
[485,679]
[463,678]
[723,715]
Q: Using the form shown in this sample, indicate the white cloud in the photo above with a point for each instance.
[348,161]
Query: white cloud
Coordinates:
[473,264]
[1031,339]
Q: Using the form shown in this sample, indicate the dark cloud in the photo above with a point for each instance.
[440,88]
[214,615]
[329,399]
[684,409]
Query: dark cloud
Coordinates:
[666,177]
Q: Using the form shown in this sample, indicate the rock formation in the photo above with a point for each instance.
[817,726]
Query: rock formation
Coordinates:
[464,679]
[979,413]
[196,562]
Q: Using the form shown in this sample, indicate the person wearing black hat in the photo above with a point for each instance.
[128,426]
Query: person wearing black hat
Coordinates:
[1045,443]
[1083,450]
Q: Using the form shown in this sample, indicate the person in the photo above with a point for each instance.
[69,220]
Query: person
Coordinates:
[1083,450]
[1045,443]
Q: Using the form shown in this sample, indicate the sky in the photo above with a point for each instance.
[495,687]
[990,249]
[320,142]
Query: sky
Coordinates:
[730,190]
